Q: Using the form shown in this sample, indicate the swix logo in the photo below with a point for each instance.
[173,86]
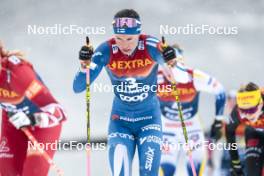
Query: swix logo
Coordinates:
[130,64]
[3,147]
[7,94]
[149,158]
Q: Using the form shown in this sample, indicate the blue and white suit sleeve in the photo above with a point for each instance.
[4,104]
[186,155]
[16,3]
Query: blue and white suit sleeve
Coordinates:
[99,60]
[153,49]
[206,83]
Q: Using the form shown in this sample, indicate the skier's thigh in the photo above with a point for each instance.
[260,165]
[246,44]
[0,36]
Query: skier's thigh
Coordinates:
[13,148]
[35,164]
[121,149]
[149,151]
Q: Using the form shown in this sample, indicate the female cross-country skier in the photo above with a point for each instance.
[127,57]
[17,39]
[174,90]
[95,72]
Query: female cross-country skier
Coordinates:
[131,60]
[25,102]
[249,113]
[190,82]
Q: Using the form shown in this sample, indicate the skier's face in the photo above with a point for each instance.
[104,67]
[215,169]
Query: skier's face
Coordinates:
[254,114]
[126,43]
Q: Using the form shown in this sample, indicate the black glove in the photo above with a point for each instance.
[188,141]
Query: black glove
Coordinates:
[86,53]
[216,130]
[168,53]
[236,169]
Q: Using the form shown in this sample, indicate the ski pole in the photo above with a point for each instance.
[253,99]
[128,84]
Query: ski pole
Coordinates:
[43,153]
[177,99]
[88,148]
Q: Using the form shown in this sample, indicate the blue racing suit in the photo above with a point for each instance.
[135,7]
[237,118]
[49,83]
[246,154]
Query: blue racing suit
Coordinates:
[135,117]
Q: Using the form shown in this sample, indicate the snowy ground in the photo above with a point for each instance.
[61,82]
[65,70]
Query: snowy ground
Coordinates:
[73,163]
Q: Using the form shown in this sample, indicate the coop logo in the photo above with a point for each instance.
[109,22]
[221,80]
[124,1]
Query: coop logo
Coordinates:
[149,158]
[130,64]
[135,98]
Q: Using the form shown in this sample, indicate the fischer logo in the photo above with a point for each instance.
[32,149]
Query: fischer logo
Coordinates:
[153,139]
[149,158]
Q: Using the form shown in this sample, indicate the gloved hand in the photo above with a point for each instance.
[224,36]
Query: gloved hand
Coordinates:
[85,55]
[216,130]
[236,169]
[20,120]
[168,53]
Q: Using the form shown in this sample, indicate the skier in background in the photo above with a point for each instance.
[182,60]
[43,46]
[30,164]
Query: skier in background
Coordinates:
[249,113]
[26,103]
[190,82]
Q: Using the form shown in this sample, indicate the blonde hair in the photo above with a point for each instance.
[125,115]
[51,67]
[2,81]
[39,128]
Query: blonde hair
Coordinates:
[7,53]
